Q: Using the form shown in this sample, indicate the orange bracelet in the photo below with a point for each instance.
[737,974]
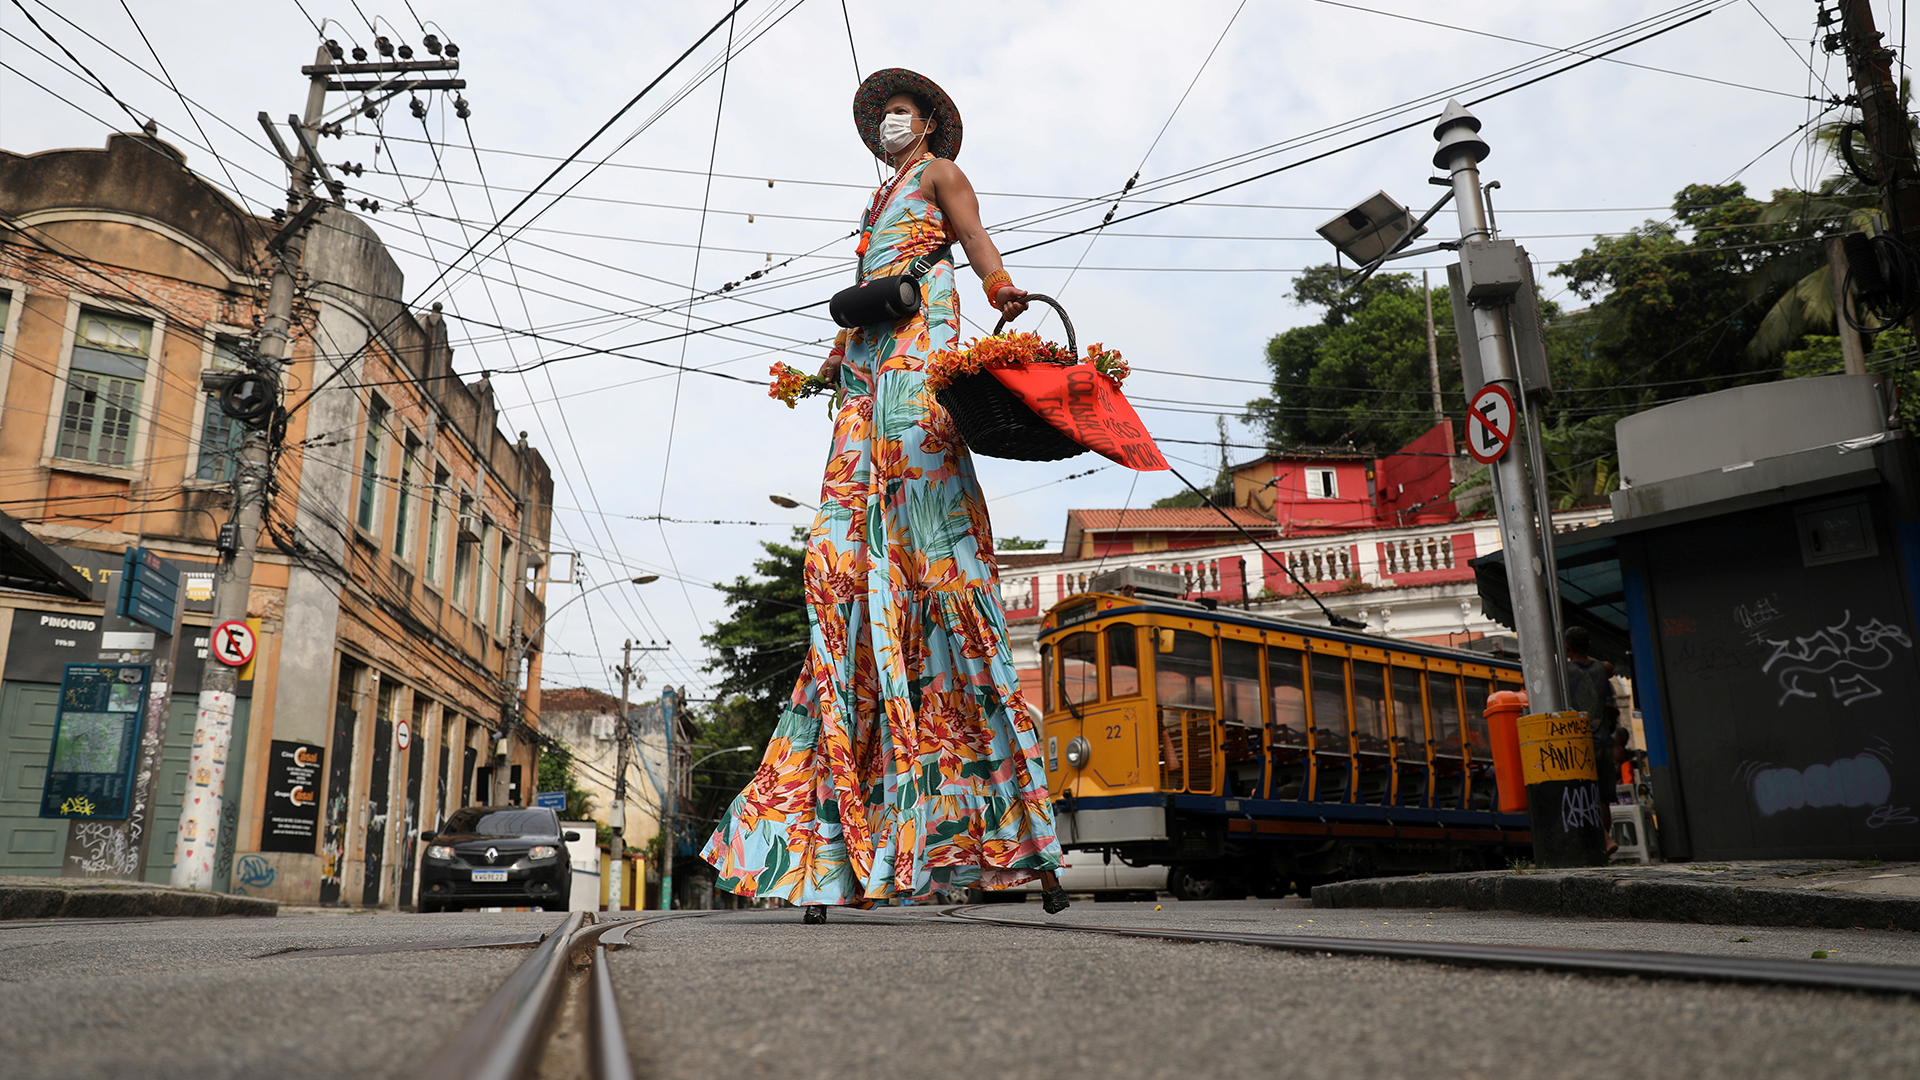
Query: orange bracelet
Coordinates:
[994,282]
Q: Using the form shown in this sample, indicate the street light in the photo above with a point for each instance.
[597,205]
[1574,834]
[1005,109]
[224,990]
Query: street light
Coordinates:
[717,753]
[643,579]
[784,501]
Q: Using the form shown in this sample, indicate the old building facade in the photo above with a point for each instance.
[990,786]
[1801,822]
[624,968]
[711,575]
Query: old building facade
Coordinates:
[400,552]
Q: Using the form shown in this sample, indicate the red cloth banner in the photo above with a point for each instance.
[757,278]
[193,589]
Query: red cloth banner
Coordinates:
[1087,407]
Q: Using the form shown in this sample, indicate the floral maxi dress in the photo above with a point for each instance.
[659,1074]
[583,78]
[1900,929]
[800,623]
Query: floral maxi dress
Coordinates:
[906,763]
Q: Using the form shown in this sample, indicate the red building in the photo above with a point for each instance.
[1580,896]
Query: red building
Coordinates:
[1318,493]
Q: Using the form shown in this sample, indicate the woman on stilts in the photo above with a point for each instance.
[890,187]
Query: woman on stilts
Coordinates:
[907,763]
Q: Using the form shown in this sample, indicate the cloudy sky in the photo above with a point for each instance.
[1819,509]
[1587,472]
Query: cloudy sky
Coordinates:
[1062,102]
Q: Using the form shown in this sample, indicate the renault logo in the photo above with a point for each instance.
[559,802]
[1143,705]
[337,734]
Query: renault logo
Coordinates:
[493,855]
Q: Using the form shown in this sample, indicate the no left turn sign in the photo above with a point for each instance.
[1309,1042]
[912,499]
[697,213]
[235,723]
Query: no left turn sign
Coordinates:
[232,643]
[1490,424]
[403,734]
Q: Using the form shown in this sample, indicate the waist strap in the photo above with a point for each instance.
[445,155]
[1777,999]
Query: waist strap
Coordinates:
[917,267]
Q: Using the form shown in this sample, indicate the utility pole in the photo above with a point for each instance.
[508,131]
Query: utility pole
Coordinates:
[199,829]
[1889,131]
[616,868]
[1882,116]
[1433,356]
[669,815]
[516,637]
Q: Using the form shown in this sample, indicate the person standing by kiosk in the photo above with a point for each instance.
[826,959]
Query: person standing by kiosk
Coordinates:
[1590,690]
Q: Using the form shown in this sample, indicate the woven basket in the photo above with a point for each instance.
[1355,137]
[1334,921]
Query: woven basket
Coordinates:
[996,423]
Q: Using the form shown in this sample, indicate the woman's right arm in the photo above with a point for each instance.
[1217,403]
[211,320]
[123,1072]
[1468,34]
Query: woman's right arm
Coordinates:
[830,370]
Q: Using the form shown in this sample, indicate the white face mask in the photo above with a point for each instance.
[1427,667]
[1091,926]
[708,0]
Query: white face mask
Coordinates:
[896,132]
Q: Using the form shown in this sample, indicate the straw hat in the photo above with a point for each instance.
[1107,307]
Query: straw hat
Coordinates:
[881,85]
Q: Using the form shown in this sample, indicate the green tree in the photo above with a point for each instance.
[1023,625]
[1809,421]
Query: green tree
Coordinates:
[1014,543]
[555,773]
[1359,376]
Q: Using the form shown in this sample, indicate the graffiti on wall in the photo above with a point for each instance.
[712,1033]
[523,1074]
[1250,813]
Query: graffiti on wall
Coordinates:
[1862,780]
[1834,660]
[252,872]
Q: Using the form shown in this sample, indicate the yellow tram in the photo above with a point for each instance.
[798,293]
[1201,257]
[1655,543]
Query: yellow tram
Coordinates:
[1254,754]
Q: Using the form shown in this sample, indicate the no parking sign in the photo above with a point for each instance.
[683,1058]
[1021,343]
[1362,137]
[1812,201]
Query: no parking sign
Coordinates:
[232,643]
[1490,424]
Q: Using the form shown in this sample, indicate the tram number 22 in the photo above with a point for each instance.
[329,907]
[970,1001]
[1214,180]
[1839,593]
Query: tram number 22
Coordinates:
[1112,731]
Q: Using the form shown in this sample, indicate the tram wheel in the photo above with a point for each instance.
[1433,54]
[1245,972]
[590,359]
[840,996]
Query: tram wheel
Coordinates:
[1199,883]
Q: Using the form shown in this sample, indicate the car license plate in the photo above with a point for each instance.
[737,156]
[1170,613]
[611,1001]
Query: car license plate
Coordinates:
[489,875]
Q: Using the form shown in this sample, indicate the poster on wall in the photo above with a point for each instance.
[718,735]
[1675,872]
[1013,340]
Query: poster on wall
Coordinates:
[96,736]
[293,798]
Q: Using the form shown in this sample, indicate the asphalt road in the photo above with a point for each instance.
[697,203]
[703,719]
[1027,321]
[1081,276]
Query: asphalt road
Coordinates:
[756,993]
[753,994]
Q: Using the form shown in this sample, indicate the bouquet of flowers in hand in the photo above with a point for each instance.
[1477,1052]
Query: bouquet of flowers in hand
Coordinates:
[949,366]
[791,384]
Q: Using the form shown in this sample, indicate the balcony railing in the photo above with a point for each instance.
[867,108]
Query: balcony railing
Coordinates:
[1383,558]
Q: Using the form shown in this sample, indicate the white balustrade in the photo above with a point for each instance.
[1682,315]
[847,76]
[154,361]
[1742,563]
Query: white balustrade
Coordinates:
[1417,554]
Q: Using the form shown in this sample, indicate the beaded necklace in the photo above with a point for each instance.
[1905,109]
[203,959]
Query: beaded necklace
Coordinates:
[880,203]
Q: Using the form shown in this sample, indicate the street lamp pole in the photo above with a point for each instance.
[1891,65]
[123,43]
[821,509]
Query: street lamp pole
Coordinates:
[670,814]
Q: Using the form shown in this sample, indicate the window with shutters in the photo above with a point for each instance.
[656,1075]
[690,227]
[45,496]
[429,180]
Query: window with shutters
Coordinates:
[1321,484]
[220,434]
[436,525]
[369,511]
[105,380]
[405,500]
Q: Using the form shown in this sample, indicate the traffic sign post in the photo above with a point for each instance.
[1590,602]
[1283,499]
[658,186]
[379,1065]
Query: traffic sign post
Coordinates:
[403,734]
[148,588]
[1495,283]
[231,643]
[1490,424]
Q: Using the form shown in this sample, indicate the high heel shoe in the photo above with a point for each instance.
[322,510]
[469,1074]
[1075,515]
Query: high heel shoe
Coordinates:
[1054,900]
[815,914]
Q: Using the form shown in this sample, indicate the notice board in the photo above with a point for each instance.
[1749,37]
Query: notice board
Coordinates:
[293,797]
[96,739]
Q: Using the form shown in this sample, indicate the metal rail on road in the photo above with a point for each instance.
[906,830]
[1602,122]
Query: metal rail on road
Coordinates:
[507,1037]
[1819,974]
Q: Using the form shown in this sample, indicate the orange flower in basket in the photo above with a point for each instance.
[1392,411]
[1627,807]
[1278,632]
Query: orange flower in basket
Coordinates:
[949,366]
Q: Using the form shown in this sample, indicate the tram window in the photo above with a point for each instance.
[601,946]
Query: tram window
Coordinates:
[1123,661]
[1330,702]
[1443,703]
[1240,682]
[1079,682]
[1478,744]
[1184,676]
[1409,715]
[1370,705]
[1286,680]
[1046,678]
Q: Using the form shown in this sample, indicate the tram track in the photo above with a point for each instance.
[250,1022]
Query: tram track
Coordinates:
[1810,974]
[554,1015]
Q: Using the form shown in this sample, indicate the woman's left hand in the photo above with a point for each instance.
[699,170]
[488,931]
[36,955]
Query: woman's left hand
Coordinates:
[1013,302]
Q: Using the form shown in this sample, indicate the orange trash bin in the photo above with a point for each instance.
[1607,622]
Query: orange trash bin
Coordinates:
[1503,727]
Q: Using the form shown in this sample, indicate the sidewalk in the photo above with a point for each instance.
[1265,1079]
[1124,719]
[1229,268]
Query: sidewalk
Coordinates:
[1816,892]
[83,898]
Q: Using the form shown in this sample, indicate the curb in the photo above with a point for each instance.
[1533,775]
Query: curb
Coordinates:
[1593,895]
[53,902]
